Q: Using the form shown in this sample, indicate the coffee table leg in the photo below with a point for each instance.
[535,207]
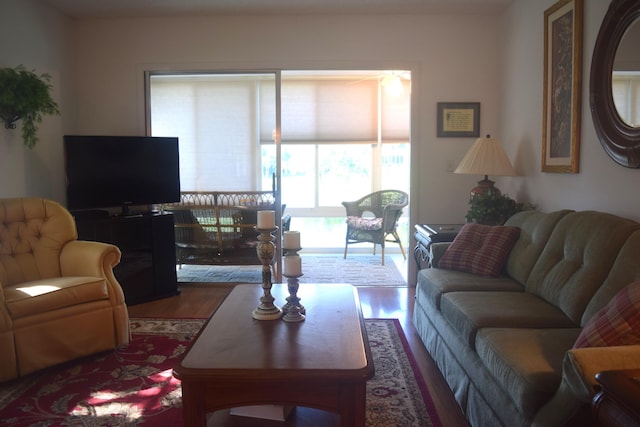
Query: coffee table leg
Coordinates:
[193,408]
[353,402]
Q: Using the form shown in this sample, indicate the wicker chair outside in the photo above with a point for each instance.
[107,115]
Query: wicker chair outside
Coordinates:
[374,219]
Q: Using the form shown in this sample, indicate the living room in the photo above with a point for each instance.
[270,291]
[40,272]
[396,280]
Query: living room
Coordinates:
[493,56]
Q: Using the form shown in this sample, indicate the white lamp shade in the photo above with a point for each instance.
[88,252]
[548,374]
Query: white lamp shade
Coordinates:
[486,157]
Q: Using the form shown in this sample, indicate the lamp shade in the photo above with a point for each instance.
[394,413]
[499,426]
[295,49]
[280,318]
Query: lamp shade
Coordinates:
[486,157]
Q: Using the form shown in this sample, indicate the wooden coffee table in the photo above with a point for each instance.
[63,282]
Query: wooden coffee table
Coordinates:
[323,362]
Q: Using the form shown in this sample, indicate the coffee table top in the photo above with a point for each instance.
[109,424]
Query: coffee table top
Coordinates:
[331,341]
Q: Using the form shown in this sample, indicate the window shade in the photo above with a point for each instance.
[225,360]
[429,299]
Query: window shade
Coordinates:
[344,110]
[215,122]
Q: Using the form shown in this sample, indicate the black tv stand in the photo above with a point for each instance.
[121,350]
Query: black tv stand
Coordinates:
[90,214]
[147,269]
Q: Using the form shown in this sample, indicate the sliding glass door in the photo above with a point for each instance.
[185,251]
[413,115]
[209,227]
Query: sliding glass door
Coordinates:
[326,136]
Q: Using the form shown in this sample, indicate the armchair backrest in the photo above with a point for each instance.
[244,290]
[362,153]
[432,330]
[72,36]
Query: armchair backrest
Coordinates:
[33,232]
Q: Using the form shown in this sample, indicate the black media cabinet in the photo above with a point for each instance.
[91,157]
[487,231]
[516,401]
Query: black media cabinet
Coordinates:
[147,270]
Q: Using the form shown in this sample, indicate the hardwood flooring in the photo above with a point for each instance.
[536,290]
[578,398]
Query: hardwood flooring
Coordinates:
[199,301]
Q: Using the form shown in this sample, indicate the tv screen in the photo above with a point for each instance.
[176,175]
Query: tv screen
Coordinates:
[121,171]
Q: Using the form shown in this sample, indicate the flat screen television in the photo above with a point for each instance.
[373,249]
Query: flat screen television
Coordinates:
[120,171]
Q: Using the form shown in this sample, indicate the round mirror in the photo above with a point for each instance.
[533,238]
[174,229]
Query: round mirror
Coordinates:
[625,78]
[614,122]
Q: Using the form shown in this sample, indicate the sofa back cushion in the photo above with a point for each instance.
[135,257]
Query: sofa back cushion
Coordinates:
[32,234]
[535,229]
[625,270]
[577,259]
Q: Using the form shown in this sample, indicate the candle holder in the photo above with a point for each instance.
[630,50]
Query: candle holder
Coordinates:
[293,310]
[267,310]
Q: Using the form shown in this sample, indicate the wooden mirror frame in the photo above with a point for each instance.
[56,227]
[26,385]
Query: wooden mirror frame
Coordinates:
[619,140]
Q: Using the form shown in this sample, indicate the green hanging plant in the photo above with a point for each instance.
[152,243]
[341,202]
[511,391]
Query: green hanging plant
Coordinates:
[25,96]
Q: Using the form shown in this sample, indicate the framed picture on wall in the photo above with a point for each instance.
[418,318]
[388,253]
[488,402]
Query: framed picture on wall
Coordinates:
[562,87]
[458,119]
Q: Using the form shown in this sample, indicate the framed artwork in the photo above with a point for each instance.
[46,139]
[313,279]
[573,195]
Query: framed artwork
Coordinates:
[562,87]
[458,119]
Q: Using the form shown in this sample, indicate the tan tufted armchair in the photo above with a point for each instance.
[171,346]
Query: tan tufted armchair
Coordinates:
[59,299]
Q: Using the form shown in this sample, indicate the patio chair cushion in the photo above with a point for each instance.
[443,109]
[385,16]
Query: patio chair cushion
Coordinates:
[361,223]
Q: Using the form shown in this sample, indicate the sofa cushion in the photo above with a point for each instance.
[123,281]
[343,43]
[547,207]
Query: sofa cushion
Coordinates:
[617,323]
[526,362]
[467,312]
[435,282]
[480,249]
[44,295]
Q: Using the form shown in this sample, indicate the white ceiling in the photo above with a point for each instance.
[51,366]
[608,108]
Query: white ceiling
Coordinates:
[139,8]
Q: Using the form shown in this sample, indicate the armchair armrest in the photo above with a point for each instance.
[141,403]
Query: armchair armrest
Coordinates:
[6,323]
[390,215]
[353,208]
[87,258]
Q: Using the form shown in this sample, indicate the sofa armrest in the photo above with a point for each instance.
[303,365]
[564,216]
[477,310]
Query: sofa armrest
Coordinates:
[436,251]
[580,365]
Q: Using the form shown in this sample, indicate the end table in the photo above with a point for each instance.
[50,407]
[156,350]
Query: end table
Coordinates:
[618,402]
[426,234]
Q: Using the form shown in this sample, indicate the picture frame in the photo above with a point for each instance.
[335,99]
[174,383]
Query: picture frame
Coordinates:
[562,86]
[458,119]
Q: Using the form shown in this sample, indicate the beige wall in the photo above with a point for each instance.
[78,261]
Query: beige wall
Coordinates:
[452,58]
[601,184]
[495,60]
[35,36]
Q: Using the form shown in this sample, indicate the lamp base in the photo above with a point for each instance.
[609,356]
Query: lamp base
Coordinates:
[485,186]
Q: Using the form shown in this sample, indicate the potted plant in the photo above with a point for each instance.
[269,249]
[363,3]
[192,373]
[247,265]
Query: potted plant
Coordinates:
[492,208]
[25,96]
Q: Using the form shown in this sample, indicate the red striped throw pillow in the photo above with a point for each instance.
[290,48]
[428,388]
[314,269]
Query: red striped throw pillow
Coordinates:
[480,249]
[617,323]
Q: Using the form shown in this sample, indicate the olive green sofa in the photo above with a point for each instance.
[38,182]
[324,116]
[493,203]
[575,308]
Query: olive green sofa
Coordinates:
[505,344]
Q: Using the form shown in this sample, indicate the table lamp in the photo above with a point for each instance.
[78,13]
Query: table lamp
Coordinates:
[486,157]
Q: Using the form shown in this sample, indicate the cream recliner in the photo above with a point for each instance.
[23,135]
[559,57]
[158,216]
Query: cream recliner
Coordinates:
[59,299]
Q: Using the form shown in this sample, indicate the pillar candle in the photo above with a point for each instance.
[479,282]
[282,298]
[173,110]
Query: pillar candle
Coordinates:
[291,240]
[267,220]
[292,265]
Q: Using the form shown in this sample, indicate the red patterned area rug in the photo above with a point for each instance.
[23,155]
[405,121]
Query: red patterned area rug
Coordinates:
[134,385]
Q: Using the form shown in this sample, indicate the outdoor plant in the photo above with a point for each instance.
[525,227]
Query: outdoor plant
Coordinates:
[493,209]
[25,96]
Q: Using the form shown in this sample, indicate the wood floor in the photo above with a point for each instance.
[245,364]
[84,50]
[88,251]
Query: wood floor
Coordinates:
[199,301]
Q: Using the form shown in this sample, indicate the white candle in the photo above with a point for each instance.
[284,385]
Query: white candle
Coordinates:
[266,220]
[292,265]
[291,240]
